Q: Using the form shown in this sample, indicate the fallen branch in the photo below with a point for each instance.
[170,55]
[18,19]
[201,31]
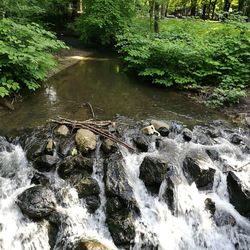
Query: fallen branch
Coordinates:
[97,127]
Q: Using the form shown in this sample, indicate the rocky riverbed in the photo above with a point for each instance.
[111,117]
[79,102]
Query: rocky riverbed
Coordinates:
[181,188]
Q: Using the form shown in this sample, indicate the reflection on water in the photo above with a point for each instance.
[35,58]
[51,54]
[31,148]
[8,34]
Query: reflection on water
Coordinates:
[100,82]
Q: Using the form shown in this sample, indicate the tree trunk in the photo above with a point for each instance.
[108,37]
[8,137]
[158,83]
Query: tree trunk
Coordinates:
[157,15]
[209,9]
[227,4]
[213,8]
[193,7]
[151,13]
[204,12]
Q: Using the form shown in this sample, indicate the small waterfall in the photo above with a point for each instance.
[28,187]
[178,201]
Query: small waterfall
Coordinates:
[186,225]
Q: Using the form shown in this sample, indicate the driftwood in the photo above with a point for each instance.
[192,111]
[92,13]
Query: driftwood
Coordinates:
[97,127]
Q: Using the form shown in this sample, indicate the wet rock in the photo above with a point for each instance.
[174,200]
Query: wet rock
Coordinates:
[213,154]
[150,130]
[39,178]
[52,234]
[109,146]
[5,145]
[114,205]
[162,127]
[85,140]
[194,172]
[66,146]
[236,139]
[200,136]
[238,197]
[116,182]
[247,121]
[175,127]
[122,230]
[50,146]
[75,166]
[88,189]
[62,130]
[153,171]
[37,202]
[90,245]
[187,134]
[141,142]
[210,206]
[93,203]
[45,163]
[223,218]
[168,194]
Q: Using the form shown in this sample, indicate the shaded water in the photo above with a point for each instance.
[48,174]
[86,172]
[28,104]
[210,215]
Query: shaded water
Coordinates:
[100,81]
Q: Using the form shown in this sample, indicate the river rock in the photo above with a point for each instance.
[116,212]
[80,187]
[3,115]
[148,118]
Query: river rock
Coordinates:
[37,202]
[88,189]
[141,142]
[39,178]
[116,181]
[85,140]
[62,130]
[213,154]
[187,134]
[247,121]
[210,205]
[238,197]
[168,194]
[153,171]
[90,245]
[50,146]
[53,230]
[195,171]
[5,145]
[66,146]
[45,163]
[236,139]
[162,127]
[150,130]
[122,230]
[73,166]
[109,146]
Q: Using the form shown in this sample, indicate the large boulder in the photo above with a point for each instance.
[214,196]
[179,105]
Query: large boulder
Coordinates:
[238,196]
[85,140]
[37,202]
[73,166]
[45,163]
[153,171]
[195,170]
[84,244]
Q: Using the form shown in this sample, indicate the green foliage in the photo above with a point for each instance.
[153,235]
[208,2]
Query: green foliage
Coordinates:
[104,19]
[192,54]
[25,55]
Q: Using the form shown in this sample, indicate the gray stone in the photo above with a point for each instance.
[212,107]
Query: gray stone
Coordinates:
[45,163]
[85,244]
[37,202]
[187,134]
[109,146]
[153,171]
[141,142]
[85,140]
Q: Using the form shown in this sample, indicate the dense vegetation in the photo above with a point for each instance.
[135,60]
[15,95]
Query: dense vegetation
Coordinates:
[205,48]
[210,57]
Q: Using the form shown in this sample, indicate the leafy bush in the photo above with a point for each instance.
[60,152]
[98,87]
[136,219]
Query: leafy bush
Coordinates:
[191,54]
[103,20]
[25,55]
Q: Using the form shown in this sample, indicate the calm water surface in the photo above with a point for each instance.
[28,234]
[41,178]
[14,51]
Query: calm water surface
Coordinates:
[100,81]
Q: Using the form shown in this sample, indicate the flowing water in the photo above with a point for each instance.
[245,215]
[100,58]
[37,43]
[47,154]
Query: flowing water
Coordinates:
[112,94]
[190,226]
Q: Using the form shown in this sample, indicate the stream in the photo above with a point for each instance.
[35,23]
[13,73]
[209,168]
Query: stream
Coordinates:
[184,189]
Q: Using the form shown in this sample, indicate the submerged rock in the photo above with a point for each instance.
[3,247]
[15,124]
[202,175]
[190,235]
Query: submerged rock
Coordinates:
[238,197]
[223,218]
[168,194]
[37,202]
[194,172]
[153,171]
[236,139]
[210,205]
[85,244]
[85,140]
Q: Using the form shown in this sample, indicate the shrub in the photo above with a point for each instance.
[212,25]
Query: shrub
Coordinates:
[25,55]
[191,54]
